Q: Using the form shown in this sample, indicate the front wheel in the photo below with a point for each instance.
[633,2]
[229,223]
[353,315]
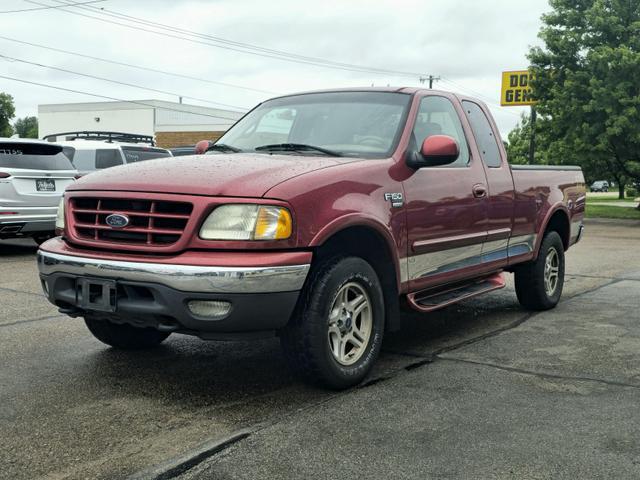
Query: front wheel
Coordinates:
[336,333]
[123,336]
[539,283]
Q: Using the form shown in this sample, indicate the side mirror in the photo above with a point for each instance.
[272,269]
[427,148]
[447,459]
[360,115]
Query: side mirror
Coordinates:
[436,150]
[201,147]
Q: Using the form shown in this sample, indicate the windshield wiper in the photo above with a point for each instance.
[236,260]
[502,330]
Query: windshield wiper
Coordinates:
[296,147]
[223,148]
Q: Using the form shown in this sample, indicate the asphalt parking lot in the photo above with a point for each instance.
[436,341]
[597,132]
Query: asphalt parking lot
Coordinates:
[479,390]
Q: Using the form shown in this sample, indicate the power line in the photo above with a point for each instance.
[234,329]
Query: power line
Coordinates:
[255,50]
[480,96]
[13,59]
[135,102]
[139,67]
[112,13]
[52,6]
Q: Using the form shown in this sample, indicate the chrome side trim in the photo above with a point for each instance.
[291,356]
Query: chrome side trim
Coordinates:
[187,278]
[521,244]
[444,261]
[495,250]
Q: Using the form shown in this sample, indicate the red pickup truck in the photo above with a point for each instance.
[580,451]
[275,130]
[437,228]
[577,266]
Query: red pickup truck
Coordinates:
[317,217]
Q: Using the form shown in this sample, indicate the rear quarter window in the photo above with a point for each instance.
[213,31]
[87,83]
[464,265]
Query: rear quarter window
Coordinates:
[485,137]
[85,160]
[106,158]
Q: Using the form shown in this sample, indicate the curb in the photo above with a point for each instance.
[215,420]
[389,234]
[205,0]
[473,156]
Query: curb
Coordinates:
[180,464]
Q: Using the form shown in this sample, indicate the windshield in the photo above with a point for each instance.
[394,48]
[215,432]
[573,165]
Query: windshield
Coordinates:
[357,124]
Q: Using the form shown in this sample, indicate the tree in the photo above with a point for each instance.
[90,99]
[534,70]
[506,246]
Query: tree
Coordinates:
[7,112]
[520,139]
[26,127]
[586,84]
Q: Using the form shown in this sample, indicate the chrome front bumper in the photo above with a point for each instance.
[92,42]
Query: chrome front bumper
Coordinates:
[186,278]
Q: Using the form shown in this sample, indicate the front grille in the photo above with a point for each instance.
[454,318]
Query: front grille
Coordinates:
[151,222]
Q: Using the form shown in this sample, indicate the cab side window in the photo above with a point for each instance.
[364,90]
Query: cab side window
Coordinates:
[437,116]
[487,141]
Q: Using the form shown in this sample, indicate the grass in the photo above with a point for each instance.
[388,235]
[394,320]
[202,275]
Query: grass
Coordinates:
[606,211]
[605,197]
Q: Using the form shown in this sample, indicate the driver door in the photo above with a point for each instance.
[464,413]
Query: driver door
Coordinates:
[446,205]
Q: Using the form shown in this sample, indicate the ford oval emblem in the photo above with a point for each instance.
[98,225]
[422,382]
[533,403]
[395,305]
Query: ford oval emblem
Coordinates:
[117,220]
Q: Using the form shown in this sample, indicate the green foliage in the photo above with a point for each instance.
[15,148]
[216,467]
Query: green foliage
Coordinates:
[7,112]
[608,211]
[26,127]
[586,83]
[519,138]
[631,193]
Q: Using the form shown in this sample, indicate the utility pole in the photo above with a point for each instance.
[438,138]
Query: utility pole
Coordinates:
[431,79]
[532,140]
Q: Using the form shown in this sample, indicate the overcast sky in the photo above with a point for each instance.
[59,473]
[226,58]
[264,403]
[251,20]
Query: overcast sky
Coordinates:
[467,42]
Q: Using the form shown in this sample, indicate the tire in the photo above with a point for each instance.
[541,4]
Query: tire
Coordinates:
[533,292]
[123,336]
[321,331]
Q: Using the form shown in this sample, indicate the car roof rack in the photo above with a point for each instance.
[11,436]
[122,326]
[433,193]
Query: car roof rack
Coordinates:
[106,136]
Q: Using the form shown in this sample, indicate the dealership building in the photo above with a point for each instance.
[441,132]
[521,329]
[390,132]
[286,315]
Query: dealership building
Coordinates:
[172,124]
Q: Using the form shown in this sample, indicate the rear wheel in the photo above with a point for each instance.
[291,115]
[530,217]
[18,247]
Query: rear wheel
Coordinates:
[336,333]
[539,283]
[123,336]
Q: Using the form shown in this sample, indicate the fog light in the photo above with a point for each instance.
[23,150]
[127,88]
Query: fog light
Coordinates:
[211,309]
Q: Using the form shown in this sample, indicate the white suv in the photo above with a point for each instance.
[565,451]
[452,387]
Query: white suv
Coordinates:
[90,151]
[33,176]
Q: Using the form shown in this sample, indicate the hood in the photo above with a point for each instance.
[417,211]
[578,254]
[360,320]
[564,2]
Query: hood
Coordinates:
[233,175]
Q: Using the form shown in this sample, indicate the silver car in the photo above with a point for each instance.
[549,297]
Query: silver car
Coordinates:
[33,176]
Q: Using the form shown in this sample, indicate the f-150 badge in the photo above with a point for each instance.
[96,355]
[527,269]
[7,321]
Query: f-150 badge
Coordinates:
[395,198]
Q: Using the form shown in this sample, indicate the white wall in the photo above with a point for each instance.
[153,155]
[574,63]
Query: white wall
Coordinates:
[136,120]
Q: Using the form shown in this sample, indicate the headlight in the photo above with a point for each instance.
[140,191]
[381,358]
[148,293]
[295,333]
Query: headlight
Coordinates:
[60,215]
[247,222]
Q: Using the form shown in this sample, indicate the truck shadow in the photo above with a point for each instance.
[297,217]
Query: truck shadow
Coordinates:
[17,248]
[189,371]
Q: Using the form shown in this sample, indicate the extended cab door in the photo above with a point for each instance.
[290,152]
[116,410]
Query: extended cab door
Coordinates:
[500,189]
[446,206]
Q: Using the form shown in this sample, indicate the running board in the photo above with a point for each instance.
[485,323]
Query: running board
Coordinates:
[428,300]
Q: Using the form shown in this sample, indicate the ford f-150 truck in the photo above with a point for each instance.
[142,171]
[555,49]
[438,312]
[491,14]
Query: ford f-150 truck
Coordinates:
[317,217]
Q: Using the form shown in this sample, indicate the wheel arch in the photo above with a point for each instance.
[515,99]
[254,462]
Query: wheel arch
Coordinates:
[372,242]
[557,219]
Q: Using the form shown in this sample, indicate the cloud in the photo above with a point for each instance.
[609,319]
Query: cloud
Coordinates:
[469,43]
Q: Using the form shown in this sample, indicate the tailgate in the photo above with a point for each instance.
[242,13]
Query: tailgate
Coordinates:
[33,173]
[35,187]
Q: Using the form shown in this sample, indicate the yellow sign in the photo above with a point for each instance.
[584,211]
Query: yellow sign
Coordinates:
[516,90]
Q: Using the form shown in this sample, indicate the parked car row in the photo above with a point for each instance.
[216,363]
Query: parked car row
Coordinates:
[35,173]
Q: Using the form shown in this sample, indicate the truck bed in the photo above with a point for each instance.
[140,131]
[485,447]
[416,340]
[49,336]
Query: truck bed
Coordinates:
[540,189]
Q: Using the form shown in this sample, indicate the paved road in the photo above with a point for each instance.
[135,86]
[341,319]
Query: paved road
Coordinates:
[480,390]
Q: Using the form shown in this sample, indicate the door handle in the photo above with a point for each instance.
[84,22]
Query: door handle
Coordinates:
[479,190]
